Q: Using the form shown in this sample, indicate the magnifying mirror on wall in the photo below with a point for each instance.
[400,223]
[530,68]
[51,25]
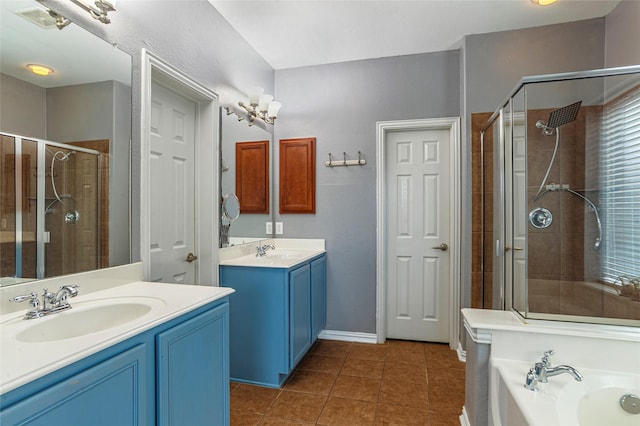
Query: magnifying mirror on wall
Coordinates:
[230,207]
[230,212]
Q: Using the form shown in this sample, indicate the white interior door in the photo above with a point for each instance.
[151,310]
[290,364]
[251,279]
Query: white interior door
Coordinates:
[172,183]
[417,234]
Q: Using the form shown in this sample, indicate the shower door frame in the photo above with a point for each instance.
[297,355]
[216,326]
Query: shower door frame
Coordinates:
[501,234]
[40,195]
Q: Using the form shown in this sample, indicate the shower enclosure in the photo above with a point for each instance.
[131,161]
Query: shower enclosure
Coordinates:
[557,199]
[51,208]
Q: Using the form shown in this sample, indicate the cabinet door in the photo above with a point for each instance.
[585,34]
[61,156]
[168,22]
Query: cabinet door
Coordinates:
[113,392]
[193,371]
[318,296]
[300,319]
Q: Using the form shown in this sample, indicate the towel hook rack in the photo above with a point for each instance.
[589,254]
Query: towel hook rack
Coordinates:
[359,162]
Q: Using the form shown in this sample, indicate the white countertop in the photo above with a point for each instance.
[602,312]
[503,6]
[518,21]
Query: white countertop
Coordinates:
[22,362]
[481,323]
[288,253]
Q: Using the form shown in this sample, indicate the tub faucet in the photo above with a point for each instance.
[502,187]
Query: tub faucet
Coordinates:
[262,250]
[543,370]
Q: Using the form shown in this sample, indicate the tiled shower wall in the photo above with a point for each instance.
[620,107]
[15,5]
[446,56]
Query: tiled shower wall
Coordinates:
[565,250]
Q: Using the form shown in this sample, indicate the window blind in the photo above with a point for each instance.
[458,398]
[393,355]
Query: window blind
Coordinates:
[620,186]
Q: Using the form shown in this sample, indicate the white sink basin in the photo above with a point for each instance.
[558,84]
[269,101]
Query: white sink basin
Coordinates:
[86,318]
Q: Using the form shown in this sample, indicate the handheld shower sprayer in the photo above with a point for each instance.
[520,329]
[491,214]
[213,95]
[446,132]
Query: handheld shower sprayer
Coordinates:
[60,156]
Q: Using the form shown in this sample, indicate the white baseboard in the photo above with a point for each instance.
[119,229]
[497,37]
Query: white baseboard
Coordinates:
[462,354]
[464,418]
[348,336]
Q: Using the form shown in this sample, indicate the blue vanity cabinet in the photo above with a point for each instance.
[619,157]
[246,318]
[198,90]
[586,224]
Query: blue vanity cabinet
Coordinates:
[300,314]
[319,296]
[193,371]
[276,315]
[112,392]
[173,374]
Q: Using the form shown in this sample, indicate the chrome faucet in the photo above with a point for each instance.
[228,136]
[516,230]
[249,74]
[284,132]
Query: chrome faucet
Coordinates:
[262,250]
[543,372]
[543,369]
[51,302]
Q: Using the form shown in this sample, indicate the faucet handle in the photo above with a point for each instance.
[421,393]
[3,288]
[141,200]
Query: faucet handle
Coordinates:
[32,298]
[546,359]
[531,382]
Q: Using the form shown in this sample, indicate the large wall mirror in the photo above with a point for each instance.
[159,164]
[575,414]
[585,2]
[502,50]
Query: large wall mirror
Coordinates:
[248,226]
[65,152]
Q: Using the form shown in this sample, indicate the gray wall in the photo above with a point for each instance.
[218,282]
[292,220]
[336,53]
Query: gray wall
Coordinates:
[23,107]
[622,35]
[339,105]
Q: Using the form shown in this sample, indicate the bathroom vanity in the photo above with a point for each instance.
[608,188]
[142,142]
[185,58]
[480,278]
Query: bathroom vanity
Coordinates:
[134,354]
[277,311]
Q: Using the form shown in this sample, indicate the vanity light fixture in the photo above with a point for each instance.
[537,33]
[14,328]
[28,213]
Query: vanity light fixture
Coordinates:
[260,106]
[61,21]
[99,12]
[40,69]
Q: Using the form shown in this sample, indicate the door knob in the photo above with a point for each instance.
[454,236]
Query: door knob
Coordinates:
[190,257]
[442,247]
[508,247]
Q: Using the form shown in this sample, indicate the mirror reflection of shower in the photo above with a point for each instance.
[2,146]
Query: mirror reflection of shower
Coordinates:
[71,216]
[55,207]
[557,119]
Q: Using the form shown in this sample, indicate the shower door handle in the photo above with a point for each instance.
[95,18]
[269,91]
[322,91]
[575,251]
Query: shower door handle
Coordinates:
[190,258]
[442,247]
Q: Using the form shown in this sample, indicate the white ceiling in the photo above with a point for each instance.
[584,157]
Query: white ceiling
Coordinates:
[295,33]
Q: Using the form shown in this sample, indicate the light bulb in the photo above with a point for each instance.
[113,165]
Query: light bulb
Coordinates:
[40,69]
[274,107]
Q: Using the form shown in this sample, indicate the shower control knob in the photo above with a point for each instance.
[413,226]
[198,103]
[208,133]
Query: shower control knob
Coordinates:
[72,217]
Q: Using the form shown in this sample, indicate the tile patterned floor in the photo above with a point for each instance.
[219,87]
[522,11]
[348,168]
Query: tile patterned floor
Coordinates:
[351,384]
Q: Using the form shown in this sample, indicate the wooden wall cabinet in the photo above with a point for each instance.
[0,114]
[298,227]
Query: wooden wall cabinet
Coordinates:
[252,176]
[298,175]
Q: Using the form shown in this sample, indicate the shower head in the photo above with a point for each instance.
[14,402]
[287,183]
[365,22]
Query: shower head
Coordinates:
[559,117]
[563,115]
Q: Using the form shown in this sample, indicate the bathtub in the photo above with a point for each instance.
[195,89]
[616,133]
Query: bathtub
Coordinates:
[595,401]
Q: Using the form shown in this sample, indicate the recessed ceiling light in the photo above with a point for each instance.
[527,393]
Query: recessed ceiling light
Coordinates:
[39,69]
[543,2]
